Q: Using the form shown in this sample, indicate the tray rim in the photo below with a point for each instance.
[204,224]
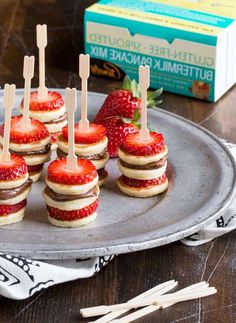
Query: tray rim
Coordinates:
[144,244]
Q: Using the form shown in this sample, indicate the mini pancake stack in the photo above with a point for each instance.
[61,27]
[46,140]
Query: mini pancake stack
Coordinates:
[143,165]
[15,185]
[71,195]
[91,145]
[51,111]
[34,144]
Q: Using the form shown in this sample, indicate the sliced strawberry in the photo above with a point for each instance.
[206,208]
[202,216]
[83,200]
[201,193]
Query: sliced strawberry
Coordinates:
[95,134]
[8,209]
[59,173]
[140,183]
[15,169]
[37,132]
[134,146]
[72,215]
[54,101]
[35,168]
[54,136]
[117,130]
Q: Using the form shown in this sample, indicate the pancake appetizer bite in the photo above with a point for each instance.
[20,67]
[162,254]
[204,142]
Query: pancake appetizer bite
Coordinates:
[90,138]
[15,184]
[29,138]
[143,155]
[46,106]
[71,193]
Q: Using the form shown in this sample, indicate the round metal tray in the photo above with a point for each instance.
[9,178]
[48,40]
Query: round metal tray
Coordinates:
[202,182]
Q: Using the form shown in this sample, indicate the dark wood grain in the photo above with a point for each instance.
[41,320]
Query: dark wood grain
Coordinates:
[131,274]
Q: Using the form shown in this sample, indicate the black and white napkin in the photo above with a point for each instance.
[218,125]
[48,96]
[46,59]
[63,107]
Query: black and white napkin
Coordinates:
[20,278]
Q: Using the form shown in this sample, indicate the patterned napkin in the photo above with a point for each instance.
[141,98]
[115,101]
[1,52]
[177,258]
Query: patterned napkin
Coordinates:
[20,278]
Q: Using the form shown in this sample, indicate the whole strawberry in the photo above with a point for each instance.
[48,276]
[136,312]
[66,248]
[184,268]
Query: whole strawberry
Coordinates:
[125,101]
[117,129]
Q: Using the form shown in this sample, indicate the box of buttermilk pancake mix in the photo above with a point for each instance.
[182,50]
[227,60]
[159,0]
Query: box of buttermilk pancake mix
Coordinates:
[190,45]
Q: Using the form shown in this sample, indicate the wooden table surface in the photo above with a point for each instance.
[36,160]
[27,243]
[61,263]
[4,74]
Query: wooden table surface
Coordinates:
[130,274]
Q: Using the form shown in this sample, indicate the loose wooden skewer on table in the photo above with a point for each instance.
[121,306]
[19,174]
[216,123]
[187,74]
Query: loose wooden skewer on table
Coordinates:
[84,63]
[28,73]
[152,308]
[157,301]
[144,82]
[8,103]
[157,290]
[41,33]
[71,104]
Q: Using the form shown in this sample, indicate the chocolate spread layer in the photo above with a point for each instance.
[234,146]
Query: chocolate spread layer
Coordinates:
[150,166]
[35,168]
[13,192]
[60,119]
[102,173]
[42,151]
[102,155]
[64,198]
[34,172]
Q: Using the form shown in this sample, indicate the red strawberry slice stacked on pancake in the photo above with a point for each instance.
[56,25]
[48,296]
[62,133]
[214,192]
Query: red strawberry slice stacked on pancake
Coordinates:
[143,165]
[34,144]
[51,112]
[71,195]
[15,185]
[91,145]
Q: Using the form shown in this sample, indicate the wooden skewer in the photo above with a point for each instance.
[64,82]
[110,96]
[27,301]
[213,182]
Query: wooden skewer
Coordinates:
[28,73]
[159,301]
[157,290]
[144,82]
[41,31]
[202,286]
[152,308]
[71,104]
[185,297]
[84,61]
[8,103]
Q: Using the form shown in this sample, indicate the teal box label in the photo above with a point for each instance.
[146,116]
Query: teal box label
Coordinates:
[173,76]
[179,45]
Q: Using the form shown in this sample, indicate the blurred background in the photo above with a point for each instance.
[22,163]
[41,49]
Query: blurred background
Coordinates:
[64,20]
[18,19]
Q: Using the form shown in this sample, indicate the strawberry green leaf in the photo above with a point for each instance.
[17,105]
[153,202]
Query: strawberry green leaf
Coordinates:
[137,124]
[149,95]
[134,89]
[126,83]
[157,93]
[133,86]
[136,116]
[153,103]
[153,95]
[126,120]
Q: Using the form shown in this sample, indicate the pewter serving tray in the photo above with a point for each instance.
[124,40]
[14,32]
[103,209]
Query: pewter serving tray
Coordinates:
[202,178]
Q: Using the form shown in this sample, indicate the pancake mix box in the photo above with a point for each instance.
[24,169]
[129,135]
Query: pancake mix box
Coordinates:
[190,46]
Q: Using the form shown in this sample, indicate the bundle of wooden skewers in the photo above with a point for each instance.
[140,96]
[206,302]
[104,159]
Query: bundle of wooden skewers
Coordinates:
[152,300]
